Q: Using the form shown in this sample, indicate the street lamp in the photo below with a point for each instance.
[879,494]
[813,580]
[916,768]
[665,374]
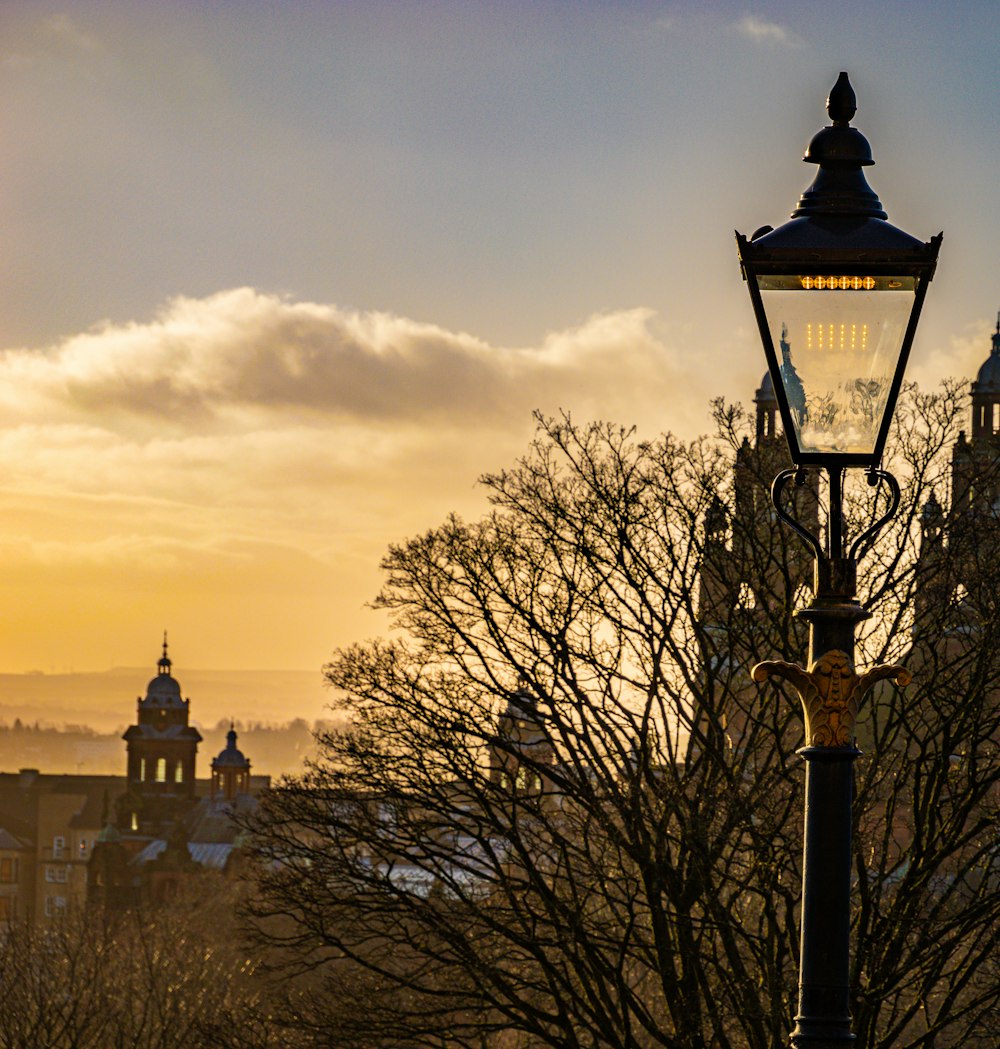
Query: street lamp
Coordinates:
[839,291]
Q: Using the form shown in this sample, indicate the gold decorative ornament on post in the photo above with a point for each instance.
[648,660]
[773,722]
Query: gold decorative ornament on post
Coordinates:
[831,693]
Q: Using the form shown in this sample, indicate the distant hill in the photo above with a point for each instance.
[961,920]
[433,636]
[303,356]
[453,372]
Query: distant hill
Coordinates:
[272,749]
[106,700]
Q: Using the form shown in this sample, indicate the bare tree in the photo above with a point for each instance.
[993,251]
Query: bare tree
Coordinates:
[173,978]
[563,815]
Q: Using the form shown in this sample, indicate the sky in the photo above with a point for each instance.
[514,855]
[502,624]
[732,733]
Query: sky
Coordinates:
[279,282]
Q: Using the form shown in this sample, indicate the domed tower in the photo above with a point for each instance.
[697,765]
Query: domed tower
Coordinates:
[230,770]
[110,881]
[717,581]
[522,749]
[956,541]
[767,409]
[986,394]
[931,590]
[161,750]
[975,463]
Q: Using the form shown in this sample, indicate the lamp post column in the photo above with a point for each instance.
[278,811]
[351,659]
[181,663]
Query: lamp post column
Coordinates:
[839,291]
[831,692]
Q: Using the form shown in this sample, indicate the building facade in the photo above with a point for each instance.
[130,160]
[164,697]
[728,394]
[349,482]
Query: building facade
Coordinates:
[161,751]
[66,841]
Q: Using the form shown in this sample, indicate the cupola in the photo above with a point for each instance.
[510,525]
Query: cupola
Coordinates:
[986,394]
[231,769]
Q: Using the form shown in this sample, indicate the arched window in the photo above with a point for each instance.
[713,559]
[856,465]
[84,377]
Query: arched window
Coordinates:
[746,600]
[161,770]
[179,772]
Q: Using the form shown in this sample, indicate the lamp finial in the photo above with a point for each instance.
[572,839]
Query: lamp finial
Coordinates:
[842,103]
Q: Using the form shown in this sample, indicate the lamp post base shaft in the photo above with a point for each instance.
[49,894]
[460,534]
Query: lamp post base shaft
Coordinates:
[824,1017]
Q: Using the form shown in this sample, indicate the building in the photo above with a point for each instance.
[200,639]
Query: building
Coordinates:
[54,820]
[123,840]
[959,537]
[759,564]
[521,750]
[230,770]
[161,749]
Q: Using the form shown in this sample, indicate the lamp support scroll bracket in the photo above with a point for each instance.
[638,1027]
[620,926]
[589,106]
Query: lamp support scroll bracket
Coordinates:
[875,478]
[798,474]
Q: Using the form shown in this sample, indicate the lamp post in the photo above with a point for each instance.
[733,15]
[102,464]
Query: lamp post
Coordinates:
[838,290]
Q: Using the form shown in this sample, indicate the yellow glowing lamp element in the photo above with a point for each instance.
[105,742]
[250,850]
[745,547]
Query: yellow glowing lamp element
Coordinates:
[840,283]
[832,339]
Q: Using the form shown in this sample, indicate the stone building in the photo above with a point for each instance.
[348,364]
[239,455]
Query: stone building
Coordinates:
[763,563]
[230,770]
[123,840]
[161,747]
[959,537]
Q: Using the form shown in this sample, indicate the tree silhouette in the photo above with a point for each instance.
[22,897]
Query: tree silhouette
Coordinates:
[563,815]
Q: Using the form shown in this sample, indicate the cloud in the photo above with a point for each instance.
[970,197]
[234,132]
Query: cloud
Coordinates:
[245,458]
[961,357]
[241,359]
[327,430]
[761,31]
[62,28]
[34,43]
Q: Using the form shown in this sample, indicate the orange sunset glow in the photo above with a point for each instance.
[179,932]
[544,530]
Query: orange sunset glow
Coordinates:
[278,283]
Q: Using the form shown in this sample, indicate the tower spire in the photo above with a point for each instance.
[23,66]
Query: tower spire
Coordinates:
[164,663]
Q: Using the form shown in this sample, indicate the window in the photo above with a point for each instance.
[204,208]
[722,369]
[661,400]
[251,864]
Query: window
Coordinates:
[83,847]
[142,770]
[8,908]
[178,773]
[58,844]
[54,906]
[8,870]
[161,770]
[57,874]
[134,822]
[747,600]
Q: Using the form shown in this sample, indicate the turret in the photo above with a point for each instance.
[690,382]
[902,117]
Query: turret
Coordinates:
[230,770]
[767,409]
[522,747]
[161,750]
[986,394]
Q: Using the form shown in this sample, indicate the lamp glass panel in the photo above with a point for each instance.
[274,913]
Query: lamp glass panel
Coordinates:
[838,340]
